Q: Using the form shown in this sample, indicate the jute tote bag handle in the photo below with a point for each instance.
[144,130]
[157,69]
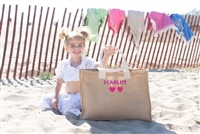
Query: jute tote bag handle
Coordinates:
[125,68]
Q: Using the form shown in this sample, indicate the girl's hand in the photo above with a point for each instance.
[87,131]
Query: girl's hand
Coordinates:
[54,104]
[109,51]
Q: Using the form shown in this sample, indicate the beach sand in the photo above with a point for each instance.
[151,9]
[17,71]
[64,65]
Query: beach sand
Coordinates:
[174,102]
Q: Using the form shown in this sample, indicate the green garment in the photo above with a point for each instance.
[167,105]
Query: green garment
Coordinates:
[95,19]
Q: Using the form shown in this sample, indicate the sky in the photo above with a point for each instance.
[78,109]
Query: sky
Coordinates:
[166,6]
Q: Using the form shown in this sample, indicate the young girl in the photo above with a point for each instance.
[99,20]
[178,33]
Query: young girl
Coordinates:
[68,71]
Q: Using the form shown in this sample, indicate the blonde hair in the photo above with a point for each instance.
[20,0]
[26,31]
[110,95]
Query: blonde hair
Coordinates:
[81,33]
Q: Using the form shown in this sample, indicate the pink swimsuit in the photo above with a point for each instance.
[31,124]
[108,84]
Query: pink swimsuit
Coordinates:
[115,19]
[159,22]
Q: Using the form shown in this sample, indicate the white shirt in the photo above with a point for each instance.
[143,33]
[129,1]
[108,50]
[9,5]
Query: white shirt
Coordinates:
[69,73]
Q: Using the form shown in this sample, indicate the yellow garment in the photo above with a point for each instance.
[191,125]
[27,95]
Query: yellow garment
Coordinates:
[95,19]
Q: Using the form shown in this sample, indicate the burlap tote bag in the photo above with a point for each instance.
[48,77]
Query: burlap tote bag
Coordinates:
[115,94]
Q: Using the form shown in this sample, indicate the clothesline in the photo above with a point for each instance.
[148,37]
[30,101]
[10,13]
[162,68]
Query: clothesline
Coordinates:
[156,21]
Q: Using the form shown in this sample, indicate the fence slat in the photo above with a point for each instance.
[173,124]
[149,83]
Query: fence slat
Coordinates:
[198,55]
[148,56]
[13,41]
[192,44]
[19,44]
[122,37]
[159,47]
[30,43]
[6,41]
[36,44]
[101,40]
[136,55]
[2,15]
[81,18]
[129,46]
[141,53]
[25,41]
[125,45]
[176,53]
[73,24]
[42,41]
[172,45]
[187,47]
[162,51]
[146,48]
[184,46]
[58,48]
[151,63]
[131,49]
[48,39]
[196,59]
[145,36]
[166,51]
[197,44]
[53,46]
[63,50]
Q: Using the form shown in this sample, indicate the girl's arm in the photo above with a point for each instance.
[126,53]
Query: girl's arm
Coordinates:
[108,52]
[58,86]
[105,61]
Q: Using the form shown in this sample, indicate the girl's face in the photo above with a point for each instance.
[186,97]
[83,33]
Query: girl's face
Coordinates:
[75,47]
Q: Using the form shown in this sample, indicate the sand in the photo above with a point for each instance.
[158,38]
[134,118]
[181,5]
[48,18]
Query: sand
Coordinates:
[174,103]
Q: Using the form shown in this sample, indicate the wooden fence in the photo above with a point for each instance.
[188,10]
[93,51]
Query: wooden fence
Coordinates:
[29,43]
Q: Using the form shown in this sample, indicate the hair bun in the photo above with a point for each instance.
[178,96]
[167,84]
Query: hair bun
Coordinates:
[62,36]
[85,31]
[63,33]
[85,34]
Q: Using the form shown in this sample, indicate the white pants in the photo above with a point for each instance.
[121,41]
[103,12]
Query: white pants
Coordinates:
[67,103]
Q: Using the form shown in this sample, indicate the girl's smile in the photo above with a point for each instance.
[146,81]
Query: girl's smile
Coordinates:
[75,47]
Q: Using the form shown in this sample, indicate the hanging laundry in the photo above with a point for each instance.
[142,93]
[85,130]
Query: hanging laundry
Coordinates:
[136,23]
[95,19]
[159,23]
[115,19]
[183,30]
